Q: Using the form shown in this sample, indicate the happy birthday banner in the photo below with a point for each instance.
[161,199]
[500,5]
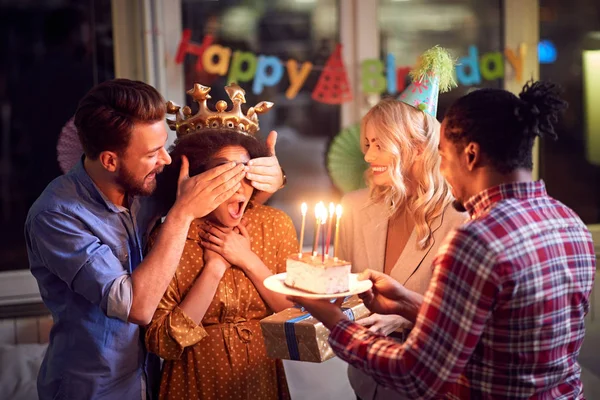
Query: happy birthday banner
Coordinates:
[333,86]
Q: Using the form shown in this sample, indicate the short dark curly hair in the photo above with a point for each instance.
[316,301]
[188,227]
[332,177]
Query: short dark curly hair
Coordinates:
[200,148]
[504,125]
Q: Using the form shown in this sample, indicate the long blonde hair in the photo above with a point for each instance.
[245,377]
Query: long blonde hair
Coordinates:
[404,131]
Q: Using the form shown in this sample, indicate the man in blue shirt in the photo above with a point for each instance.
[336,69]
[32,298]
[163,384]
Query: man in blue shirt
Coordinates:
[85,236]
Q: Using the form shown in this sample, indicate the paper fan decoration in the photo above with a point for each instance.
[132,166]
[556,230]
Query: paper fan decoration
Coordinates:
[68,148]
[345,160]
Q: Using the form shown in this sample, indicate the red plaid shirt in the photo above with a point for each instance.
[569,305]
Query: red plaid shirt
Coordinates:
[505,306]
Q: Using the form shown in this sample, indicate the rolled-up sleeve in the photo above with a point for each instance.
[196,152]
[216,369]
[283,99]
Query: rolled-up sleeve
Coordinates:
[171,330]
[120,298]
[65,246]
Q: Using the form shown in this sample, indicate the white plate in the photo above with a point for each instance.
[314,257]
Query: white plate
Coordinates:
[275,284]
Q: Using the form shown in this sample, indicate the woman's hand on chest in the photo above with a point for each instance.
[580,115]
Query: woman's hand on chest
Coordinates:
[232,244]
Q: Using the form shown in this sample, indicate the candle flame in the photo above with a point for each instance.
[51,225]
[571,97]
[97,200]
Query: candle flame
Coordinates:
[331,210]
[338,210]
[303,209]
[319,212]
[323,214]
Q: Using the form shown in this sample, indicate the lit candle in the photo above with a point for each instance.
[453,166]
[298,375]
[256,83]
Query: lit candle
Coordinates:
[323,222]
[329,223]
[336,241]
[317,229]
[303,209]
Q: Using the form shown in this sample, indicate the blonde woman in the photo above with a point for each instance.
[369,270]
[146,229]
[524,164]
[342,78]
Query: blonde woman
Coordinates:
[397,224]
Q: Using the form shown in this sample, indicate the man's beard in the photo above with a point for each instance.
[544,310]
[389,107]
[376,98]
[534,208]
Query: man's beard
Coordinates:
[136,187]
[459,206]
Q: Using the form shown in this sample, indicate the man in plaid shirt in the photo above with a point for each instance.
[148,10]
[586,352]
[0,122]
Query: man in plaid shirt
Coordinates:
[510,290]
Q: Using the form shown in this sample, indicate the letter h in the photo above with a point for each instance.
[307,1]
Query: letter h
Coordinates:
[188,47]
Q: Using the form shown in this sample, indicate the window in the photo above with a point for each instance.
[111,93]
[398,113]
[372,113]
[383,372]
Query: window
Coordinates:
[304,31]
[570,166]
[52,54]
[471,31]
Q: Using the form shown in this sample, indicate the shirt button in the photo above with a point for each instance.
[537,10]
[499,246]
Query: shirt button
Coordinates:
[230,290]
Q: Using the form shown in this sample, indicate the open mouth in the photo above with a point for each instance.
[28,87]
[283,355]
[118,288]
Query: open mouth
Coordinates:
[152,175]
[236,209]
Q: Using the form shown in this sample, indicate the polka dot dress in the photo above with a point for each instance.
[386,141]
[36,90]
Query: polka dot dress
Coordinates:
[224,357]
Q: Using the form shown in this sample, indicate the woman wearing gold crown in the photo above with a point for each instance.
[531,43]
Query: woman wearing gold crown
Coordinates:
[397,225]
[206,327]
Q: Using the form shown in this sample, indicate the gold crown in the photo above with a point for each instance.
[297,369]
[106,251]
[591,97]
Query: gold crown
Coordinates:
[205,118]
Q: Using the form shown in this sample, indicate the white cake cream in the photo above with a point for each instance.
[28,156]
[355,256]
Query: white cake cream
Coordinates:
[314,275]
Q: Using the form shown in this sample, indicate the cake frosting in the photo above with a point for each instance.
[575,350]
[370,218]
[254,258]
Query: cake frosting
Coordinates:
[314,275]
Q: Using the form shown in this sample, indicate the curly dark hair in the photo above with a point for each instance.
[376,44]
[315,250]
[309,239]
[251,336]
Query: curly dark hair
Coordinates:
[200,148]
[504,125]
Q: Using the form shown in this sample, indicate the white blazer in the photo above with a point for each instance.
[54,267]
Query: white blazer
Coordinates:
[363,235]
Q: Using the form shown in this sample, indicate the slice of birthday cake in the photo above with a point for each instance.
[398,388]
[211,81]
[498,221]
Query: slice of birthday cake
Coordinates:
[315,275]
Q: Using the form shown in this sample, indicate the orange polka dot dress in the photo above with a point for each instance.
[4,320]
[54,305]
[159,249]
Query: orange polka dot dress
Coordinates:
[224,357]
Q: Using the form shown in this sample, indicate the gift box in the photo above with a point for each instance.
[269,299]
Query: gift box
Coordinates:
[293,334]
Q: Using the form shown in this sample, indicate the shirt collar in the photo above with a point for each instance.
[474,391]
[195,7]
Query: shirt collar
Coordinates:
[195,230]
[486,199]
[79,172]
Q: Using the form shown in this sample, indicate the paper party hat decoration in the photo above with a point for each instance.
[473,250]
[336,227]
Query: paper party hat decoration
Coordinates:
[433,74]
[333,86]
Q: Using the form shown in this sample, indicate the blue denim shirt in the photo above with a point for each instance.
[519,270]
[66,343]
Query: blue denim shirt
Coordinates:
[82,249]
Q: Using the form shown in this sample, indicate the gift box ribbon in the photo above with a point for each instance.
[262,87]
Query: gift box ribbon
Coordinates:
[289,327]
